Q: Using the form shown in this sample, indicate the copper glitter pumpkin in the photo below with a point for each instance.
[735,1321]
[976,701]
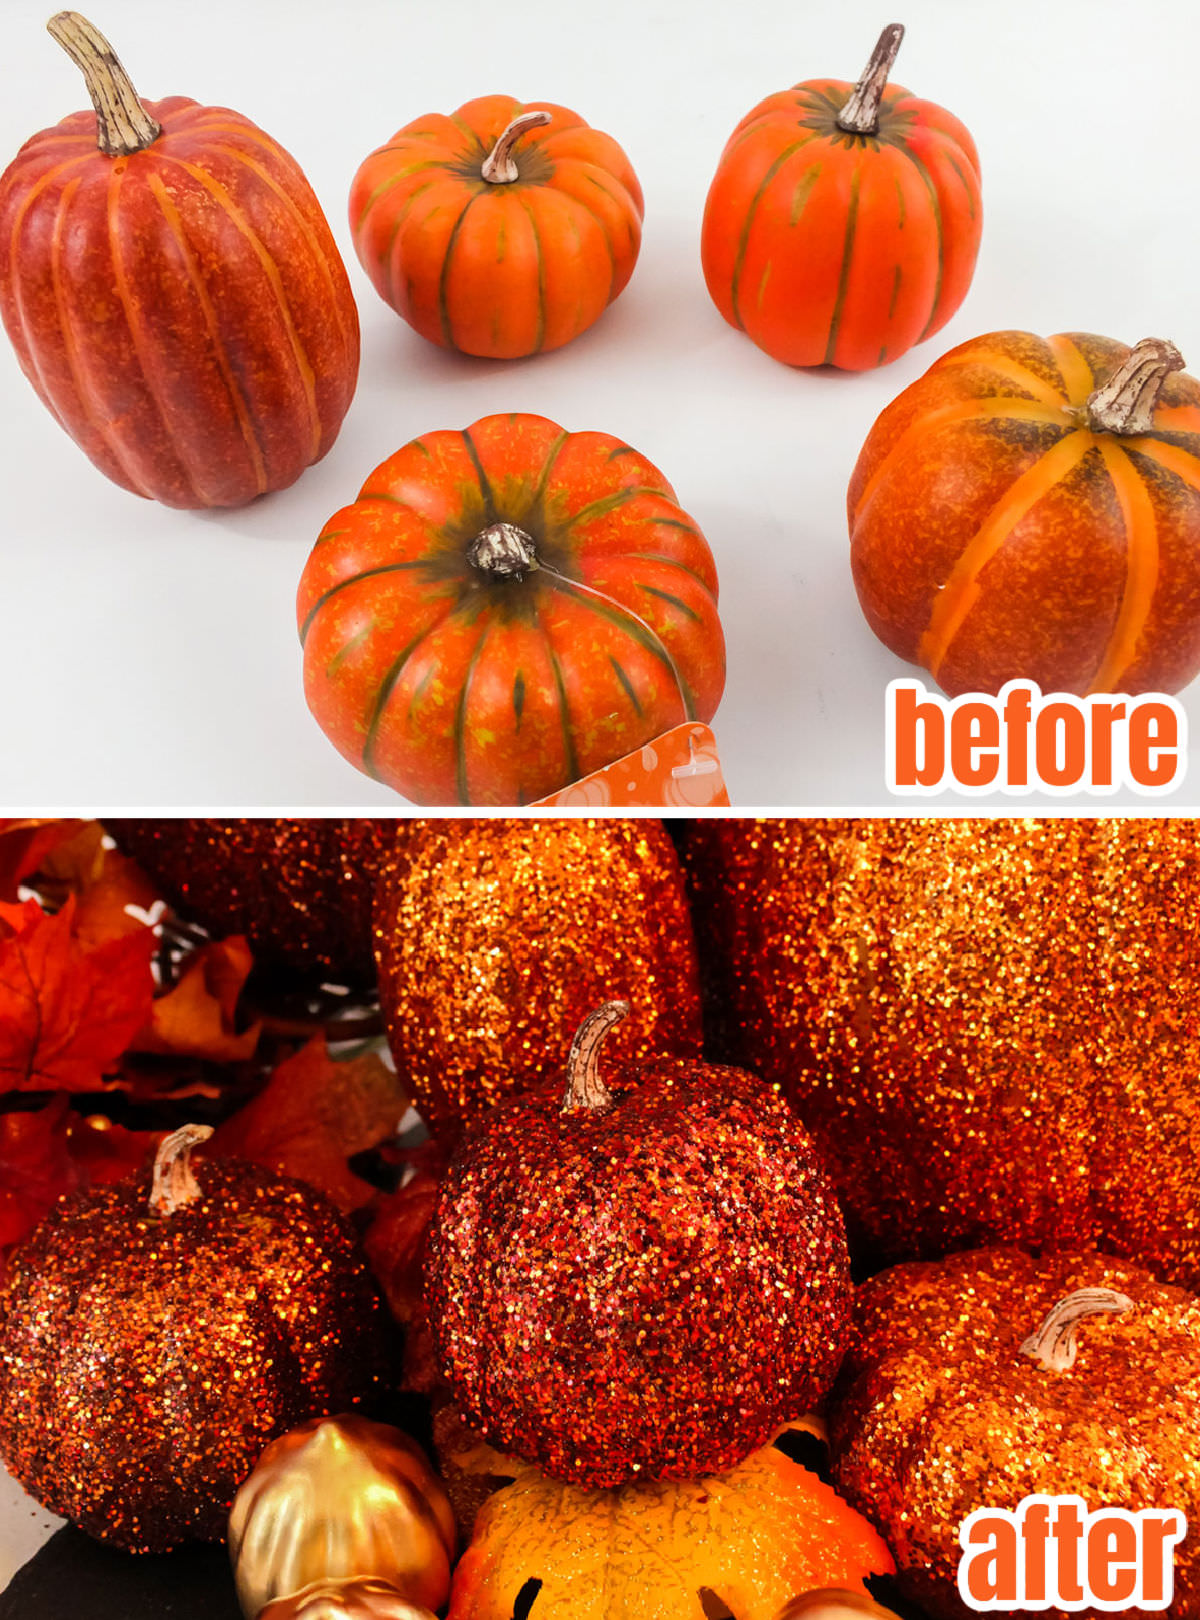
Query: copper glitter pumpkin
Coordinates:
[989,1026]
[299,889]
[945,1406]
[636,1274]
[155,1335]
[495,937]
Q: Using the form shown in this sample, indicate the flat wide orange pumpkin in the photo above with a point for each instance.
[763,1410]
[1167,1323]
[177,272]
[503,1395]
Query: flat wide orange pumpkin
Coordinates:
[173,292]
[507,609]
[1029,509]
[501,230]
[843,221]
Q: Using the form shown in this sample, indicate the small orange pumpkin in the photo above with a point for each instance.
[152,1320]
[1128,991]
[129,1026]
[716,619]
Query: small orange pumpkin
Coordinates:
[501,230]
[506,609]
[1029,509]
[843,221]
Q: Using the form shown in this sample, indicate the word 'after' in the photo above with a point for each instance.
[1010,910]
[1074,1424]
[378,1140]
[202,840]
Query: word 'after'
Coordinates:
[1052,1553]
[1021,742]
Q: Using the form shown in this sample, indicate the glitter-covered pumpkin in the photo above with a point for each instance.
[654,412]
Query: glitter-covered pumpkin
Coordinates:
[636,1274]
[495,937]
[978,1380]
[155,1334]
[299,889]
[989,1026]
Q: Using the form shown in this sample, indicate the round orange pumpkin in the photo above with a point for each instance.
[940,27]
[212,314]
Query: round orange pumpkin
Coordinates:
[507,609]
[1030,509]
[843,221]
[501,230]
[173,292]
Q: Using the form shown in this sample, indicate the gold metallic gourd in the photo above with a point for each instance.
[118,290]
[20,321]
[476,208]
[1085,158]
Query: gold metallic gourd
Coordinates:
[338,1500]
[830,1603]
[364,1598]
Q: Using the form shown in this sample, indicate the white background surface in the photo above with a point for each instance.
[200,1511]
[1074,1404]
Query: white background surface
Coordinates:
[149,657]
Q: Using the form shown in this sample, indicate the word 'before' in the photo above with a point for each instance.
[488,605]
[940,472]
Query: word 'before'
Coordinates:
[1052,1553]
[1021,742]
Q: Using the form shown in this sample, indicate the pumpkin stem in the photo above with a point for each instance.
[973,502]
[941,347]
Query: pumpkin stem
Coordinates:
[586,1091]
[499,167]
[502,551]
[174,1184]
[122,123]
[1054,1342]
[1125,403]
[860,115]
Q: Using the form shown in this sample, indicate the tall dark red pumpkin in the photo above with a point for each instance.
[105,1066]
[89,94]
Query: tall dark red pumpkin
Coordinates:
[173,291]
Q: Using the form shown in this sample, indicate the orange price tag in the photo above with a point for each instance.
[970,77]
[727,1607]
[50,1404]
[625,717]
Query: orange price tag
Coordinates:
[679,768]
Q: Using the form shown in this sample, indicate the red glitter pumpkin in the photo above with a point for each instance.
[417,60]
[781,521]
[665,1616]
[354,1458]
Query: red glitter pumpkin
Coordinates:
[644,1279]
[155,1335]
[990,1027]
[300,890]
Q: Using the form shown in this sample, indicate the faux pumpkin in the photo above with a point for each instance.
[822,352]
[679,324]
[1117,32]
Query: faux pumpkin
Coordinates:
[506,609]
[335,1499]
[843,221]
[359,1598]
[1030,509]
[300,888]
[501,230]
[989,1026]
[639,1275]
[990,1376]
[155,1334]
[173,291]
[494,938]
[740,1543]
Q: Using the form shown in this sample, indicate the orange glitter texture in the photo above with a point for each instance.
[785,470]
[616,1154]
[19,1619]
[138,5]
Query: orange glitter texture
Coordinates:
[989,1026]
[938,1413]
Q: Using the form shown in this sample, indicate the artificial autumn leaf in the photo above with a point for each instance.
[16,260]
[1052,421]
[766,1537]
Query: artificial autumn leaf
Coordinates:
[24,844]
[749,1540]
[66,1012]
[51,1151]
[198,1016]
[108,905]
[315,1113]
[395,1245]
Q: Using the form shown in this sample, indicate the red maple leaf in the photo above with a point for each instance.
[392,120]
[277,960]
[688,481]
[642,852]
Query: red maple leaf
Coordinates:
[66,1012]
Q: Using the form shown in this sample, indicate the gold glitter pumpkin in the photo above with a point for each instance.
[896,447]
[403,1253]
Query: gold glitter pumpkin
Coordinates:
[156,1334]
[975,1381]
[299,889]
[991,1027]
[494,939]
[359,1599]
[341,1497]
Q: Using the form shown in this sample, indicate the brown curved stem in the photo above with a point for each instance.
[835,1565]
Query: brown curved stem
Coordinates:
[1053,1345]
[860,115]
[1125,403]
[122,123]
[175,1186]
[499,167]
[502,551]
[586,1091]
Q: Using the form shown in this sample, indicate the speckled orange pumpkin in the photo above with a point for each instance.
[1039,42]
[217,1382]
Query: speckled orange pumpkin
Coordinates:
[1030,509]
